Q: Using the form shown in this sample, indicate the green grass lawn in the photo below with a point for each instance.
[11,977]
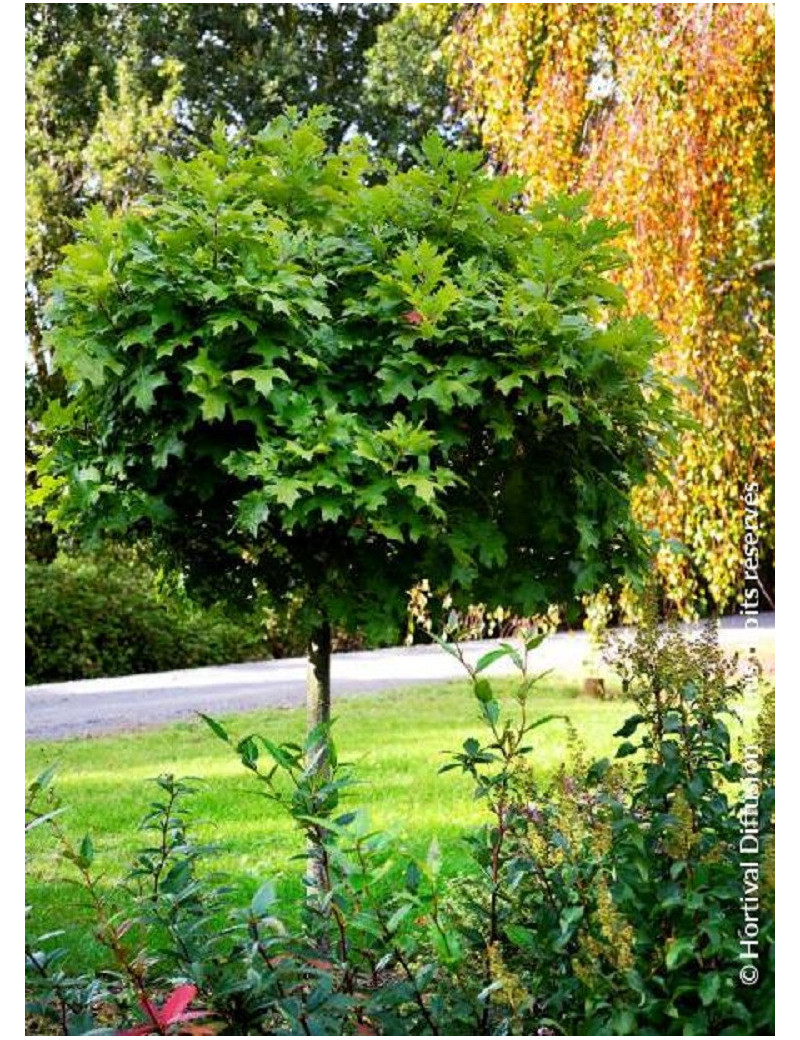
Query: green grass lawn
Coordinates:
[395,740]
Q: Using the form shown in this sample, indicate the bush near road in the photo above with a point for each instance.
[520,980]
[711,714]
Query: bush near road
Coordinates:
[103,615]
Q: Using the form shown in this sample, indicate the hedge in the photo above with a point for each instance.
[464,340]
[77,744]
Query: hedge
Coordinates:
[108,615]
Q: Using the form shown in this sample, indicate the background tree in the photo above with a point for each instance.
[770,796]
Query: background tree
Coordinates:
[665,113]
[406,89]
[89,121]
[292,375]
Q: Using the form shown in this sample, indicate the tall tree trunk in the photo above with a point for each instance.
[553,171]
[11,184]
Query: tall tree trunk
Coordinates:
[318,707]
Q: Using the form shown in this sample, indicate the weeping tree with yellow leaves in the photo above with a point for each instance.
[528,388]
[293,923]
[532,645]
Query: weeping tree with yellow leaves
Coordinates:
[665,114]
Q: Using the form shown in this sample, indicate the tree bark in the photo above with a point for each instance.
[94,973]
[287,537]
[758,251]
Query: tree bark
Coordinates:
[318,708]
[318,680]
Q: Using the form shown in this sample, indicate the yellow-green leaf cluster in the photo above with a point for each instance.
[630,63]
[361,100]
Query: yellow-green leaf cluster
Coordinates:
[664,112]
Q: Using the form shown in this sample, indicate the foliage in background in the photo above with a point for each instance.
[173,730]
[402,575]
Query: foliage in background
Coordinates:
[664,112]
[90,117]
[102,615]
[603,900]
[293,374]
[407,80]
[430,616]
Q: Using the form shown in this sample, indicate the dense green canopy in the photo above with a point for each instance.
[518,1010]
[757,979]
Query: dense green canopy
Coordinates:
[289,367]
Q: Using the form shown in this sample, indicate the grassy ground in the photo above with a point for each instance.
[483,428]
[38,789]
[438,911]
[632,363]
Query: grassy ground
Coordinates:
[395,740]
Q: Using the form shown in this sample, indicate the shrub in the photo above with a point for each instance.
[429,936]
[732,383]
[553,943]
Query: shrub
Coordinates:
[107,615]
[604,900]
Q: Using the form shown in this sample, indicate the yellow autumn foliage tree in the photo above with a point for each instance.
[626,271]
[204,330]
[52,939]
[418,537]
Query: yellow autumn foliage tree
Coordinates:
[665,114]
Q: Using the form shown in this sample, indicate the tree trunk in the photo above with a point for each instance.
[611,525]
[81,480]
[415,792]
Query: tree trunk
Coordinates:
[318,708]
[318,681]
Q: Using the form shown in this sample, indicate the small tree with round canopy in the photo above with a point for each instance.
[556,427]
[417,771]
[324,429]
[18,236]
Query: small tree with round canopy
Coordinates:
[291,367]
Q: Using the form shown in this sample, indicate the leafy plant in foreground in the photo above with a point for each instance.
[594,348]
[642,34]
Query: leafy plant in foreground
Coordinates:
[603,899]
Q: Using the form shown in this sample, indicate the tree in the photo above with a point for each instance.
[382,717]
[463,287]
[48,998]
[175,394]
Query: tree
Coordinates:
[406,89]
[288,373]
[665,113]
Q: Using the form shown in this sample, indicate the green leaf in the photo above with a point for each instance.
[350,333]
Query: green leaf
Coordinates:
[372,497]
[561,404]
[398,916]
[490,657]
[624,1023]
[216,728]
[140,336]
[446,392]
[287,490]
[43,780]
[90,367]
[212,400]
[396,384]
[709,988]
[413,877]
[142,390]
[487,991]
[204,369]
[510,382]
[171,444]
[570,916]
[282,757]
[630,726]
[263,900]
[253,511]
[87,851]
[424,488]
[447,945]
[316,308]
[535,641]
[679,952]
[433,860]
[212,403]
[491,712]
[231,320]
[525,938]
[247,749]
[544,720]
[319,735]
[264,381]
[483,691]
[597,771]
[330,509]
[512,652]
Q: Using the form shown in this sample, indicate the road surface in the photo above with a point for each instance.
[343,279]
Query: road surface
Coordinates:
[91,707]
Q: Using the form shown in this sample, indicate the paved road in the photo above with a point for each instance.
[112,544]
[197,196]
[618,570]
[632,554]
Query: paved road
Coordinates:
[94,706]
